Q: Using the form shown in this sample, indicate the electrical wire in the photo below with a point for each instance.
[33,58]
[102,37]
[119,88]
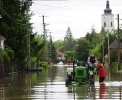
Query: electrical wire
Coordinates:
[64,7]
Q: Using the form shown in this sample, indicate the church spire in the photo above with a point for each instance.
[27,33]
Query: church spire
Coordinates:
[107,5]
[107,10]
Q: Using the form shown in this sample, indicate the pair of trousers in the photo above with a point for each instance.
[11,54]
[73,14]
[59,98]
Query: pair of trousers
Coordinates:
[101,79]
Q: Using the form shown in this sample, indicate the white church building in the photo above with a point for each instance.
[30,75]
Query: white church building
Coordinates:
[107,19]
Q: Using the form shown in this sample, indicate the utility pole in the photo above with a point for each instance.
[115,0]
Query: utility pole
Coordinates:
[28,37]
[44,28]
[108,50]
[45,52]
[103,51]
[28,46]
[50,47]
[118,44]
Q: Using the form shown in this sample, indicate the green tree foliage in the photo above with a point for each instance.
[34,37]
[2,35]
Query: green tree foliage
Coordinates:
[92,37]
[52,50]
[14,29]
[53,53]
[8,54]
[82,49]
[70,54]
[88,37]
[98,51]
[96,39]
[97,45]
[58,44]
[37,44]
[103,33]
[68,37]
[113,55]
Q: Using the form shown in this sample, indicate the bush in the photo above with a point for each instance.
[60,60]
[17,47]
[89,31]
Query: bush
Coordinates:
[114,66]
[43,64]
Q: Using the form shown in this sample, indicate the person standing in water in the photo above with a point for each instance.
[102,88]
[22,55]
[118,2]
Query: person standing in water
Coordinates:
[101,72]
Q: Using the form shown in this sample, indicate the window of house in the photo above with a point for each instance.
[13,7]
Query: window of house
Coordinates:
[111,24]
[104,24]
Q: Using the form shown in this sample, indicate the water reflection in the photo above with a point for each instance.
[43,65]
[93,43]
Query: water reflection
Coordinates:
[102,91]
[50,85]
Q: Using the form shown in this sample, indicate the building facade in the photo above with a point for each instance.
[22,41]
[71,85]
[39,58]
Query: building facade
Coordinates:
[108,19]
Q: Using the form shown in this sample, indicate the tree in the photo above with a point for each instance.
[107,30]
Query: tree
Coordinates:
[52,50]
[53,53]
[97,51]
[96,39]
[82,49]
[58,44]
[103,33]
[68,36]
[37,44]
[89,36]
[14,28]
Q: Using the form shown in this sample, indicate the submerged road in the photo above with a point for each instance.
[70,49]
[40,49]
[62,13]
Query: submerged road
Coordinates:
[50,85]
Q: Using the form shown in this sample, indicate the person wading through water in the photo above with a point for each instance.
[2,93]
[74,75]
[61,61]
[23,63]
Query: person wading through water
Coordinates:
[101,72]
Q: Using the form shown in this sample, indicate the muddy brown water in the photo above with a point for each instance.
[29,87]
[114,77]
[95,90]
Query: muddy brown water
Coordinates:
[50,85]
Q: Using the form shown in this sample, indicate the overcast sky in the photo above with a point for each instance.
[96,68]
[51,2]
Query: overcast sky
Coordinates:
[79,15]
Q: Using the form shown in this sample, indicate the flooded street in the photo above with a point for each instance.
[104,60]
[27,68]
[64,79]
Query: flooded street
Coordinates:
[50,85]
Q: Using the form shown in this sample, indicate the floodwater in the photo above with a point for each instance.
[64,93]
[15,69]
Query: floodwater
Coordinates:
[50,85]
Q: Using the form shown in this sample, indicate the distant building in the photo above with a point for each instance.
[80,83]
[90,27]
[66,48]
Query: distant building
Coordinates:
[61,52]
[60,55]
[108,19]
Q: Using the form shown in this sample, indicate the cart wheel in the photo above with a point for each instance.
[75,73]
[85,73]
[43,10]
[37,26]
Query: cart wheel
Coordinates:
[67,82]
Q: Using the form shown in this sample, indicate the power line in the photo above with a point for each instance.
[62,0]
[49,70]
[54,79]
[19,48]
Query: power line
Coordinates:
[65,7]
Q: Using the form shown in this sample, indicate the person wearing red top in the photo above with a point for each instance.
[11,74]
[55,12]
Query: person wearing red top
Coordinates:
[69,61]
[101,72]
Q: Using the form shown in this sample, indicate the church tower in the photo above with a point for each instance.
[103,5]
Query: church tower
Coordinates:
[108,19]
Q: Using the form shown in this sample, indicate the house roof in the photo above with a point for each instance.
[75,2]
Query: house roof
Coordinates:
[114,45]
[60,53]
[67,47]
